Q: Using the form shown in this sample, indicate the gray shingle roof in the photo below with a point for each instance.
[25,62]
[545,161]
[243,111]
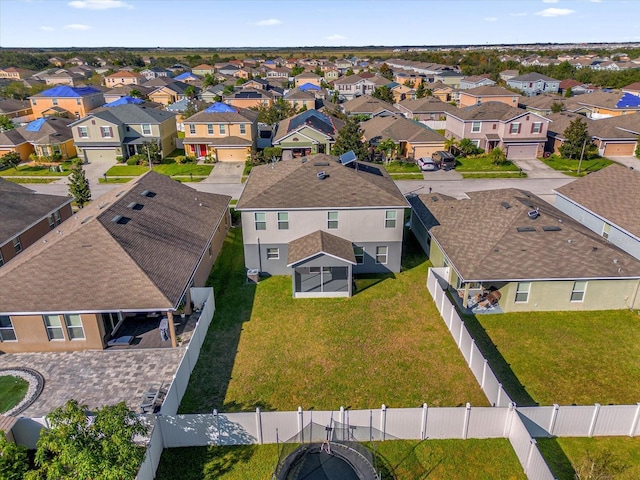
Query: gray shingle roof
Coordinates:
[243,115]
[130,114]
[489,90]
[532,77]
[399,129]
[427,105]
[320,242]
[496,111]
[368,104]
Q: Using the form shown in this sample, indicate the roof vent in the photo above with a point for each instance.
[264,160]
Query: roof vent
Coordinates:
[320,164]
[134,206]
[120,193]
[526,229]
[551,228]
[321,175]
[533,214]
[86,220]
[116,219]
[615,260]
[147,193]
[506,205]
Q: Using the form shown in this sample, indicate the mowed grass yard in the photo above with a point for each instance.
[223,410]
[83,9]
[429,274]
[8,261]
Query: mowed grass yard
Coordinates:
[568,357]
[386,344]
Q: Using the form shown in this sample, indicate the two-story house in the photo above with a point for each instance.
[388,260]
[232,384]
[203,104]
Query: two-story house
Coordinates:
[301,99]
[429,110]
[203,69]
[15,73]
[65,101]
[356,85]
[474,81]
[122,130]
[521,134]
[250,98]
[169,93]
[221,131]
[534,84]
[307,77]
[321,222]
[479,95]
[368,106]
[123,78]
[307,133]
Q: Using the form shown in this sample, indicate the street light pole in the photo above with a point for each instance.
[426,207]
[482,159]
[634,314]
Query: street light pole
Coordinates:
[582,153]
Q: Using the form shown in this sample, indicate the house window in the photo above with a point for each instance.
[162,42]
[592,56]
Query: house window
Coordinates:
[475,127]
[359,254]
[273,253]
[606,229]
[210,129]
[192,129]
[17,245]
[55,102]
[74,327]
[381,254]
[146,129]
[283,220]
[7,333]
[83,132]
[57,217]
[243,129]
[260,219]
[52,222]
[536,127]
[332,220]
[390,219]
[106,132]
[577,293]
[522,292]
[78,102]
[515,128]
[1,259]
[54,327]
[223,129]
[476,142]
[33,101]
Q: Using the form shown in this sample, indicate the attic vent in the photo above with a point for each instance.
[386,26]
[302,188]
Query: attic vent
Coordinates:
[134,206]
[120,193]
[321,175]
[102,205]
[551,228]
[116,219]
[533,214]
[506,205]
[86,220]
[434,198]
[147,193]
[526,229]
[321,164]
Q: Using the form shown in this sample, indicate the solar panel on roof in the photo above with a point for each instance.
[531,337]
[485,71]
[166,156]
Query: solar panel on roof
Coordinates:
[347,158]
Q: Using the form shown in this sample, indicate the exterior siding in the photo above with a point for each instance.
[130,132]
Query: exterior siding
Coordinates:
[88,103]
[24,150]
[467,100]
[204,269]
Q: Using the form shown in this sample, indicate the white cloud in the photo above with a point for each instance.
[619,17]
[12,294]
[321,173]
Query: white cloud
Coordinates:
[555,12]
[77,26]
[490,19]
[47,29]
[336,37]
[99,4]
[269,22]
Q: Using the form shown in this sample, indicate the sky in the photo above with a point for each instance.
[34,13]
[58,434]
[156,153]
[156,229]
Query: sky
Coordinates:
[295,23]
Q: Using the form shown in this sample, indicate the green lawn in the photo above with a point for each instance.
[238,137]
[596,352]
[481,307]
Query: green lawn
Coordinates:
[31,179]
[407,176]
[564,357]
[127,170]
[12,391]
[169,169]
[483,164]
[570,167]
[563,455]
[402,167]
[386,344]
[397,460]
[37,171]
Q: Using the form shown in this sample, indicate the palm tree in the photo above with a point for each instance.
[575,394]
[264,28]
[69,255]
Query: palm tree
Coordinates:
[450,143]
[388,147]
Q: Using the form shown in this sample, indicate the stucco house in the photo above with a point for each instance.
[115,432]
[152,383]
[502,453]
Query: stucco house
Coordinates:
[250,98]
[307,133]
[64,101]
[606,202]
[123,78]
[474,81]
[44,137]
[224,132]
[307,77]
[534,84]
[510,251]
[135,251]
[428,110]
[300,99]
[480,95]
[368,106]
[321,222]
[521,134]
[609,104]
[356,85]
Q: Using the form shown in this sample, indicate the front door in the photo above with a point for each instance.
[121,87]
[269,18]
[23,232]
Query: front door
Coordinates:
[202,150]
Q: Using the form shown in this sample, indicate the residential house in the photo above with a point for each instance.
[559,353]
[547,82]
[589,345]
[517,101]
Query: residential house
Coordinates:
[534,84]
[57,61]
[76,61]
[474,81]
[507,75]
[449,77]
[212,94]
[64,78]
[170,93]
[430,111]
[228,70]
[355,85]
[123,78]
[25,217]
[521,134]
[321,222]
[125,91]
[574,87]
[300,99]
[445,92]
[409,79]
[223,132]
[479,95]
[401,92]
[15,73]
[64,101]
[133,252]
[155,72]
[607,203]
[609,104]
[121,131]
[368,106]
[633,89]
[256,83]
[17,109]
[178,68]
[44,137]
[278,73]
[510,251]
[307,133]
[307,77]
[331,74]
[545,104]
[188,78]
[250,98]
[413,139]
[203,69]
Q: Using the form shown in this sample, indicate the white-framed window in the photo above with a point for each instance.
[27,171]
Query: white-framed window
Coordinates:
[381,254]
[83,132]
[146,129]
[78,101]
[52,222]
[332,220]
[476,142]
[243,129]
[515,128]
[223,129]
[210,129]
[475,127]
[17,245]
[390,219]
[273,253]
[54,327]
[260,220]
[578,291]
[283,220]
[75,330]
[536,127]
[57,217]
[106,132]
[359,254]
[192,129]
[7,333]
[55,102]
[522,292]
[606,230]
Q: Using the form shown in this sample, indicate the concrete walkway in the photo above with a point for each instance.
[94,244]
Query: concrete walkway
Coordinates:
[226,172]
[535,168]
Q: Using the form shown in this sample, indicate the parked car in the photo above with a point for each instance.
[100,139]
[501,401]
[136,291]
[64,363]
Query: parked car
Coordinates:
[444,160]
[427,164]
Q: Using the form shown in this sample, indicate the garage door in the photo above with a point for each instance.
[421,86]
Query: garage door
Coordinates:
[426,151]
[518,152]
[99,155]
[232,154]
[619,149]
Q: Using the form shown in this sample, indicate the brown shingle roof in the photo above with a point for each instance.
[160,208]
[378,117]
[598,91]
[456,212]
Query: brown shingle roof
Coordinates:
[294,184]
[612,193]
[489,90]
[481,238]
[496,111]
[242,115]
[399,129]
[368,104]
[320,242]
[427,105]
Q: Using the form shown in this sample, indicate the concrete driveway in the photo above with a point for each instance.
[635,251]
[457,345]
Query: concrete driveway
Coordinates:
[226,172]
[631,162]
[535,168]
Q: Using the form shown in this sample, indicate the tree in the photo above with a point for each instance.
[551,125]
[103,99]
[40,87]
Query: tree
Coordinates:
[568,92]
[151,150]
[276,112]
[388,147]
[599,466]
[349,72]
[135,93]
[79,186]
[14,462]
[6,123]
[190,92]
[383,93]
[76,446]
[350,138]
[421,91]
[576,136]
[386,72]
[11,159]
[297,70]
[467,147]
[556,107]
[498,156]
[450,143]
[209,81]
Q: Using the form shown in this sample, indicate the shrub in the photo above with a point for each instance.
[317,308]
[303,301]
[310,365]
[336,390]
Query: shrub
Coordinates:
[120,159]
[132,160]
[180,159]
[76,161]
[209,159]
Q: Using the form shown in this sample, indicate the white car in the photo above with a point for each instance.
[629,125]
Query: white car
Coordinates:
[427,164]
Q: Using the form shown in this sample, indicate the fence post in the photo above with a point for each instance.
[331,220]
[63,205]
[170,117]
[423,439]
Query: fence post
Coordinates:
[216,440]
[423,432]
[509,420]
[484,373]
[462,329]
[532,444]
[342,423]
[473,344]
[444,299]
[383,421]
[634,424]
[499,395]
[465,427]
[259,425]
[453,311]
[554,416]
[594,419]
[300,425]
